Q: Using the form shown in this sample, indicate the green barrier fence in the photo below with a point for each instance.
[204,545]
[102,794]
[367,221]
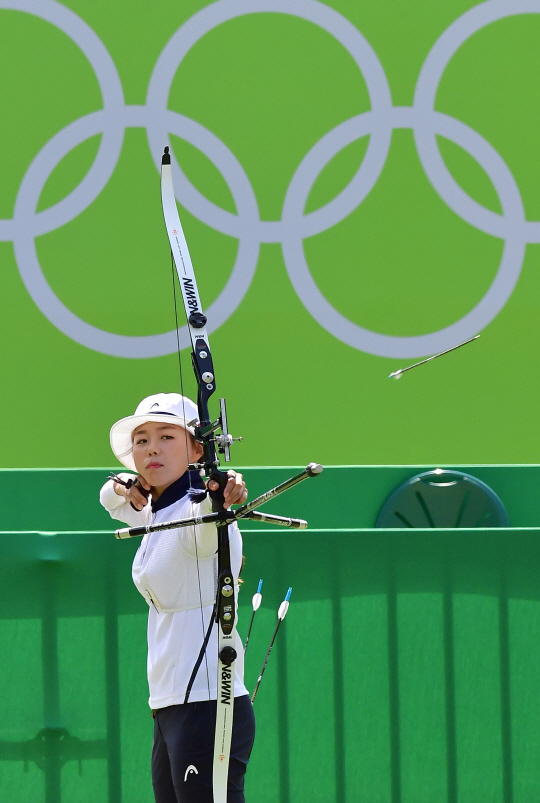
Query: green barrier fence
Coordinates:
[407,670]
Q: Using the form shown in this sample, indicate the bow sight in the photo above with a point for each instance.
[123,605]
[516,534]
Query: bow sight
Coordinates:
[222,440]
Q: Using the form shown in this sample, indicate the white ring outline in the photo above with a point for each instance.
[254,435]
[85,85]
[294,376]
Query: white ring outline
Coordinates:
[62,317]
[389,345]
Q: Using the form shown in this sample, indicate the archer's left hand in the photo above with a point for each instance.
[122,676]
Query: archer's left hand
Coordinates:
[235,492]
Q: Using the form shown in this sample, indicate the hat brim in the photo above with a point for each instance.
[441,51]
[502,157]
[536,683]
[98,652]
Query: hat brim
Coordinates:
[121,432]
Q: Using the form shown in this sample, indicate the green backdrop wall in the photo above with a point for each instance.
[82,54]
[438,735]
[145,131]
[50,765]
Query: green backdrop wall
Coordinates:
[359,189]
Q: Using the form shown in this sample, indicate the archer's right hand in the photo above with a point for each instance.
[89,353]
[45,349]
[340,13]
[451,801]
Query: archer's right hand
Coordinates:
[137,492]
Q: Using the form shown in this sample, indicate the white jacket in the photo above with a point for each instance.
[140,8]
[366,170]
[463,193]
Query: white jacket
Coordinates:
[176,572]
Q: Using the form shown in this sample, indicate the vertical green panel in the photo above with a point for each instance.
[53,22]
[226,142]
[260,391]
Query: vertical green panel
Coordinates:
[82,658]
[83,705]
[21,673]
[21,710]
[264,769]
[311,713]
[366,695]
[19,784]
[478,698]
[422,698]
[136,724]
[76,782]
[525,700]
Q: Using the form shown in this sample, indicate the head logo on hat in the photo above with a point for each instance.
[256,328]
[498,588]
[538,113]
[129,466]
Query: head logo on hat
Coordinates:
[174,408]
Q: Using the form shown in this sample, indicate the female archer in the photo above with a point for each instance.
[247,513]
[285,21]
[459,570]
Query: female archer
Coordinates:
[175,571]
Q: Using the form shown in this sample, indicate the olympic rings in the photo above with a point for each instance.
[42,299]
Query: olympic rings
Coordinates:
[295,225]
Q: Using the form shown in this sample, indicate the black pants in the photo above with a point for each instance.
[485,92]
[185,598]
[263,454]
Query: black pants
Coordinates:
[183,751]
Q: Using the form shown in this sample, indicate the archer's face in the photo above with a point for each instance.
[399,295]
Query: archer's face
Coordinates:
[162,453]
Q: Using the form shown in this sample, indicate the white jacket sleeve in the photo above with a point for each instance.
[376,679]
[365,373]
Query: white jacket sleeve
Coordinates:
[119,509]
[201,540]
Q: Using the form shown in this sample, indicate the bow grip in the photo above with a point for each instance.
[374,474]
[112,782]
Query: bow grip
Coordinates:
[221,477]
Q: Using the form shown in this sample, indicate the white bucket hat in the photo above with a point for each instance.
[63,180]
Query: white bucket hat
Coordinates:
[170,407]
